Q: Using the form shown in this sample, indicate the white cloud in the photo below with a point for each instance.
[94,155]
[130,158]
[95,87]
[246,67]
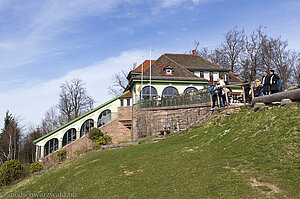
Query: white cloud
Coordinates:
[172,3]
[33,26]
[32,102]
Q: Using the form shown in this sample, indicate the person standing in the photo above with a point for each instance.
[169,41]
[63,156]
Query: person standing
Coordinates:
[273,82]
[266,83]
[221,91]
[214,94]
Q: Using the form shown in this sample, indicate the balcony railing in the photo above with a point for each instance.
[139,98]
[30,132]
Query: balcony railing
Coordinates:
[201,96]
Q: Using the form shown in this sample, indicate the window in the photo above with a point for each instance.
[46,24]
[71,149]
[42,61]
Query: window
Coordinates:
[122,102]
[147,92]
[86,127]
[169,70]
[104,118]
[206,75]
[215,76]
[197,73]
[69,136]
[128,102]
[170,90]
[51,146]
[190,90]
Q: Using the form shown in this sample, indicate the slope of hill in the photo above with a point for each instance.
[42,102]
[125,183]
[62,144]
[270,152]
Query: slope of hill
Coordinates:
[245,155]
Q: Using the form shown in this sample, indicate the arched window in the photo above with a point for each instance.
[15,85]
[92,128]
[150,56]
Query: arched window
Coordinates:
[104,118]
[51,146]
[170,90]
[86,127]
[145,93]
[190,90]
[69,137]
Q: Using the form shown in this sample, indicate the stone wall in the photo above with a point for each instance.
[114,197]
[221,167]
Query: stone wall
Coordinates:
[149,121]
[73,149]
[117,131]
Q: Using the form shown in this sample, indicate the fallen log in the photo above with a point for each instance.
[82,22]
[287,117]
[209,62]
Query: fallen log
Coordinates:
[277,97]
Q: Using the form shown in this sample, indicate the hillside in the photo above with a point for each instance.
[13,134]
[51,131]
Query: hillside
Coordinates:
[245,155]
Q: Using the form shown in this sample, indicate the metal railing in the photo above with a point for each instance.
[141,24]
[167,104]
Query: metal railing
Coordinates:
[201,96]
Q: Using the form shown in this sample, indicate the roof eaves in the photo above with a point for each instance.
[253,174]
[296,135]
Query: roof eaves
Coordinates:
[78,118]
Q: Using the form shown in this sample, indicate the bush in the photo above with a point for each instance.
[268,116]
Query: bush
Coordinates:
[95,134]
[35,167]
[61,155]
[108,140]
[10,171]
[103,140]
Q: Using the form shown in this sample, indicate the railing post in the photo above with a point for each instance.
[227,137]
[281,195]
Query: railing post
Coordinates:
[244,94]
[252,91]
[226,96]
[218,96]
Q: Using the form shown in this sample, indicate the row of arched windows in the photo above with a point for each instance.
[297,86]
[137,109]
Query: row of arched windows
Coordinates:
[70,135]
[148,91]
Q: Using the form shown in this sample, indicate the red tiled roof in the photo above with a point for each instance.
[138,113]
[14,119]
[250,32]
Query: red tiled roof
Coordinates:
[194,62]
[179,71]
[126,95]
[145,65]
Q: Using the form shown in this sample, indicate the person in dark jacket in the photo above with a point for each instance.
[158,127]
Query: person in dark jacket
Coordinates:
[214,94]
[266,83]
[273,82]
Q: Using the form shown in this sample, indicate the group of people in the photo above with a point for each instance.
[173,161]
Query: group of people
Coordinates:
[218,89]
[269,84]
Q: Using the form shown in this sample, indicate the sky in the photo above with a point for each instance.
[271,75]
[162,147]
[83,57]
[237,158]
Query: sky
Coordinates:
[45,43]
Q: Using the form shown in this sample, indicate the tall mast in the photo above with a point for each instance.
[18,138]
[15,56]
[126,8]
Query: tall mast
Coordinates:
[142,79]
[150,74]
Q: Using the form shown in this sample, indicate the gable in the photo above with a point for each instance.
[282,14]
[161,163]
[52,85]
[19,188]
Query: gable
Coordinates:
[195,62]
[178,72]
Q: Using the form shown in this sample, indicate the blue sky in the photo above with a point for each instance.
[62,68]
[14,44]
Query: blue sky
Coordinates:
[43,43]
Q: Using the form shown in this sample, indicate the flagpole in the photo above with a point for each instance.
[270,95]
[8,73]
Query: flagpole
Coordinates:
[142,79]
[150,74]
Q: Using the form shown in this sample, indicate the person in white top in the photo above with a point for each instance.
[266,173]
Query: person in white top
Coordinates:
[221,91]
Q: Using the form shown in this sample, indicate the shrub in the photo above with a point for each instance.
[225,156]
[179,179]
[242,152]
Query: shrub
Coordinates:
[108,140]
[61,155]
[103,140]
[35,167]
[10,171]
[95,134]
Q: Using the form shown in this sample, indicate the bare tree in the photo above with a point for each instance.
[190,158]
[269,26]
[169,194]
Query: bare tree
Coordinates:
[74,100]
[51,121]
[10,140]
[28,149]
[282,60]
[119,81]
[233,46]
[252,53]
[296,69]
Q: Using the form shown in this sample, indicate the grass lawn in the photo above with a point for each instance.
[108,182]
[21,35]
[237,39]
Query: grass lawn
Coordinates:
[245,155]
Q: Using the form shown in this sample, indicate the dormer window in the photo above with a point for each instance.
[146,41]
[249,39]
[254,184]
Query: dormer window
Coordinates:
[168,70]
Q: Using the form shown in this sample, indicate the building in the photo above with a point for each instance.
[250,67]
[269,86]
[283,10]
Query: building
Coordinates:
[170,74]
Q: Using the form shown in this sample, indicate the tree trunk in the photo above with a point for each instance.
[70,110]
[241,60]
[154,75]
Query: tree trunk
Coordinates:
[277,97]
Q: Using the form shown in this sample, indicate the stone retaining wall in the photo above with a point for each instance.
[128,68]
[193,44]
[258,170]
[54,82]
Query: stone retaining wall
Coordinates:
[149,121]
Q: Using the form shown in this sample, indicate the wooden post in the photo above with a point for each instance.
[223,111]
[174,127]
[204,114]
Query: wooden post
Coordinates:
[252,91]
[218,96]
[227,101]
[211,100]
[244,95]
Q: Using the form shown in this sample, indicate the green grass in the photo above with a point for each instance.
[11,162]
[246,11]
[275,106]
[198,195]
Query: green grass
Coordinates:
[219,159]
